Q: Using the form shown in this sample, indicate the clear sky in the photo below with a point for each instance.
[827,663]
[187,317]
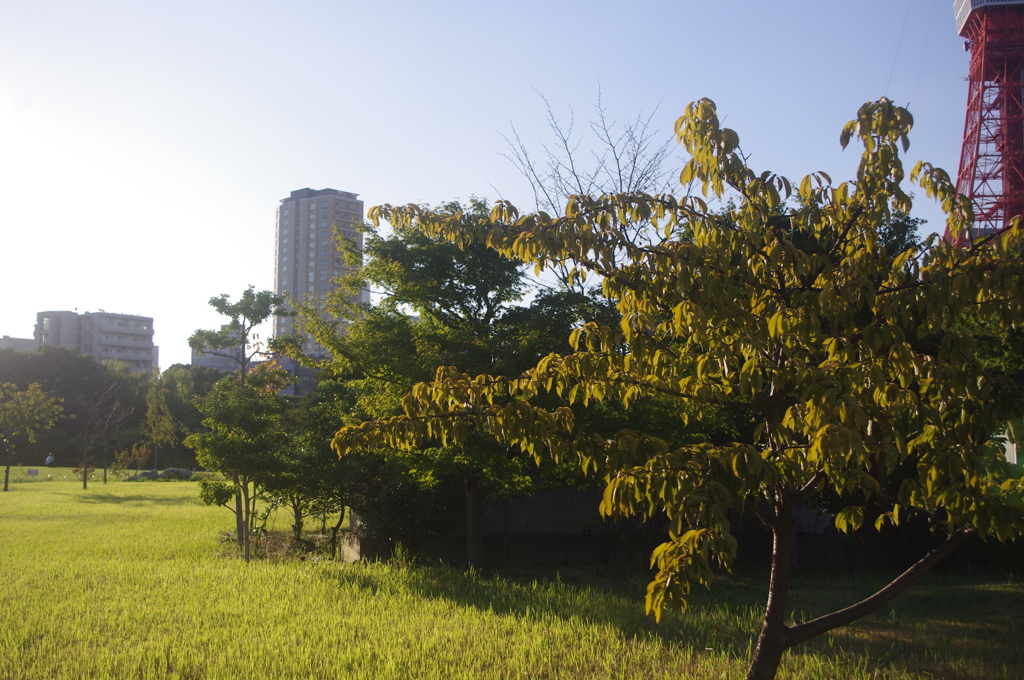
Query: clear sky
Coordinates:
[144,146]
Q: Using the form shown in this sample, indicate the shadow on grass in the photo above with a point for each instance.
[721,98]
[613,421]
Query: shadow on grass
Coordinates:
[91,496]
[941,628]
[721,621]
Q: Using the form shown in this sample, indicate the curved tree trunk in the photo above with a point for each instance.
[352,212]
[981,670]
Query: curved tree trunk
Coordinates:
[334,534]
[776,637]
[296,502]
[771,643]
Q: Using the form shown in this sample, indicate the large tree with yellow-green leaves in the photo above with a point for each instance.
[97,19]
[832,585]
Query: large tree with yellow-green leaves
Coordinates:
[847,355]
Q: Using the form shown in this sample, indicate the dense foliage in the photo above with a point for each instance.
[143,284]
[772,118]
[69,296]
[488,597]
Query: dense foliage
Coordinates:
[848,355]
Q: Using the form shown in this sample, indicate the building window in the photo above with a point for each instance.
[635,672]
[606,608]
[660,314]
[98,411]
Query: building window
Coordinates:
[311,277]
[285,213]
[324,204]
[323,262]
[324,242]
[323,253]
[286,233]
[310,289]
[286,240]
[323,286]
[323,275]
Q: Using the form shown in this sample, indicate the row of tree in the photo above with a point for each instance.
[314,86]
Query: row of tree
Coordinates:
[103,409]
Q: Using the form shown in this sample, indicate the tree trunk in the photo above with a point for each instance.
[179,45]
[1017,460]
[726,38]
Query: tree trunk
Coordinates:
[474,528]
[802,632]
[771,643]
[85,471]
[297,515]
[776,637]
[239,514]
[247,521]
[7,475]
[334,534]
[104,473]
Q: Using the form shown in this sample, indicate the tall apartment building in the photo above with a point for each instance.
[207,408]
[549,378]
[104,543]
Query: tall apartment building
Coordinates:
[101,335]
[306,260]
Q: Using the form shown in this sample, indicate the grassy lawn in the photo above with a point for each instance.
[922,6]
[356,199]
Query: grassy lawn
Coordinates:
[130,580]
[20,474]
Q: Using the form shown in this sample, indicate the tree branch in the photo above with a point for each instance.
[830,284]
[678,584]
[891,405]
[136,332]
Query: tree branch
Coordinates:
[805,631]
[809,486]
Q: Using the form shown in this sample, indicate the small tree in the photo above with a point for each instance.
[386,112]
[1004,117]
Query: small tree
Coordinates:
[237,337]
[847,355]
[135,457]
[101,414]
[23,413]
[244,439]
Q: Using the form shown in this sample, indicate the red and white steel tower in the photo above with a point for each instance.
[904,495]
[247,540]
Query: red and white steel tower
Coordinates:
[992,157]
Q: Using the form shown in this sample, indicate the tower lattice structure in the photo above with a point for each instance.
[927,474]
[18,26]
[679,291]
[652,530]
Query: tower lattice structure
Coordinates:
[991,169]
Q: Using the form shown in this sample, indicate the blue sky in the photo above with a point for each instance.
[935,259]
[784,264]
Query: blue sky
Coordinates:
[144,146]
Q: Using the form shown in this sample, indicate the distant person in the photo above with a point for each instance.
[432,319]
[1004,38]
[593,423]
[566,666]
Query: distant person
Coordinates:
[50,460]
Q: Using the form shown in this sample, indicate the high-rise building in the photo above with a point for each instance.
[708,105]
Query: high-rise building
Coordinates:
[306,259]
[101,335]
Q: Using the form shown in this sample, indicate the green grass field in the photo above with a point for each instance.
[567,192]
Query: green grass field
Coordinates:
[130,580]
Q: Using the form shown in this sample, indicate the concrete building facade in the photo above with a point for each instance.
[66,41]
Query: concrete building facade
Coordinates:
[227,359]
[307,260]
[18,344]
[101,335]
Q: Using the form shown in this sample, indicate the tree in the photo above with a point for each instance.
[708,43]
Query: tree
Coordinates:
[465,301]
[126,459]
[846,353]
[616,157]
[101,415]
[244,438]
[250,311]
[23,413]
[171,414]
[64,374]
[160,428]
